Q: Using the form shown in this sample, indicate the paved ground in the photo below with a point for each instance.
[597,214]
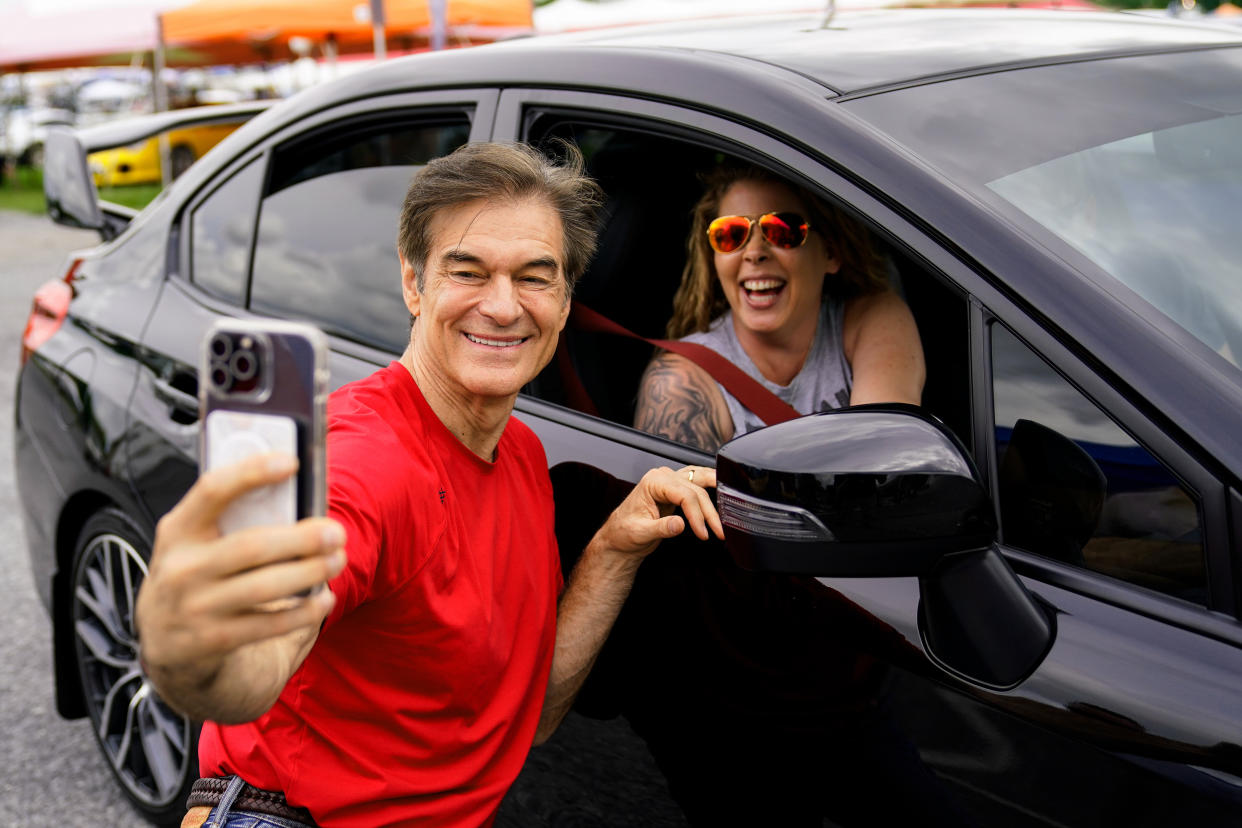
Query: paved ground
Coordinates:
[51,772]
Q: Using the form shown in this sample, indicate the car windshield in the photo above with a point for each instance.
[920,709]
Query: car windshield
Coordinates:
[1136,163]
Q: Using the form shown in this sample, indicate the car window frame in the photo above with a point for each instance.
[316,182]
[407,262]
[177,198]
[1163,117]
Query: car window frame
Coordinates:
[1201,479]
[1235,514]
[986,301]
[478,104]
[1205,485]
[184,228]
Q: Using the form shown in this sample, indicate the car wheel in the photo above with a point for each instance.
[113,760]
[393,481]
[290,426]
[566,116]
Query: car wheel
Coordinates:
[151,749]
[182,158]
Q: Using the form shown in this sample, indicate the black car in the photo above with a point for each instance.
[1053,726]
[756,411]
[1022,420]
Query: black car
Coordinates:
[1037,575]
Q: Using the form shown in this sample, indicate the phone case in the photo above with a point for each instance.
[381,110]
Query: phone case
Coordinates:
[263,387]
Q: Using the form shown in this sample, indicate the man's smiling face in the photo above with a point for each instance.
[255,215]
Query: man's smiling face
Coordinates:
[494,297]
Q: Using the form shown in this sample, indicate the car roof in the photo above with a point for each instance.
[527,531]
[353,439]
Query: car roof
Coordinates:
[884,47]
[769,55]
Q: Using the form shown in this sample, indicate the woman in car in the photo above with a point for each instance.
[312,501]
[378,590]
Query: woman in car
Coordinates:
[793,292]
[767,705]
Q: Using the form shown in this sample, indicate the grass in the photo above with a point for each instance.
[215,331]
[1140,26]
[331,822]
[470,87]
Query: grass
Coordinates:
[22,190]
[135,195]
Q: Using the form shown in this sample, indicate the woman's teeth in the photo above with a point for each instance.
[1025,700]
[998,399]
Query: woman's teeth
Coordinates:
[759,285]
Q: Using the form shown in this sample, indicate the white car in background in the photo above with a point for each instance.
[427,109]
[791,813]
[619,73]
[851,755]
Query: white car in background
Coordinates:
[106,99]
[22,130]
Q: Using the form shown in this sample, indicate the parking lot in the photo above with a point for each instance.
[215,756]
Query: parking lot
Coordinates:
[51,773]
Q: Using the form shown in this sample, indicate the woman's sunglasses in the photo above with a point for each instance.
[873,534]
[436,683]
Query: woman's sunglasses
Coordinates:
[729,233]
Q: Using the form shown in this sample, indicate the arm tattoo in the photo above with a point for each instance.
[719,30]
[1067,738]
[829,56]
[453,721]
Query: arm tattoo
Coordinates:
[683,405]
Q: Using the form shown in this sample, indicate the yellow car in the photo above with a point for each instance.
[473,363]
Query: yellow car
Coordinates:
[140,163]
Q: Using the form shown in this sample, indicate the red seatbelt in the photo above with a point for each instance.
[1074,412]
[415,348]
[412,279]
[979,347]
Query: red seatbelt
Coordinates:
[748,391]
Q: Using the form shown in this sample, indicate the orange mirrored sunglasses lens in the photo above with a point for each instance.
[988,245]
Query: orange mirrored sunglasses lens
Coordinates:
[729,233]
[783,229]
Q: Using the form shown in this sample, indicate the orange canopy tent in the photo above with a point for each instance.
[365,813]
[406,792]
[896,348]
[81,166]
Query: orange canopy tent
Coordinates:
[251,30]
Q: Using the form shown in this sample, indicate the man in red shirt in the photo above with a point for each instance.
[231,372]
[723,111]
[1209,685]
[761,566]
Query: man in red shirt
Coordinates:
[410,690]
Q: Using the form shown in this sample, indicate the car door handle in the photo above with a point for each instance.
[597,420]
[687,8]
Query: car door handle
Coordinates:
[183,404]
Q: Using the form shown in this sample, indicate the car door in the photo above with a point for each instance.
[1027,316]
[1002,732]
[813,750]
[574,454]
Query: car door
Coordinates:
[732,681]
[1132,716]
[302,226]
[1129,718]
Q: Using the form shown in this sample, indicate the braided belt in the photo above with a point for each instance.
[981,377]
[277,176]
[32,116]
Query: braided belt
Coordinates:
[208,792]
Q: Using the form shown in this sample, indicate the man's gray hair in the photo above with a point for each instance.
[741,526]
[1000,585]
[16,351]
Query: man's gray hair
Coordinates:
[503,171]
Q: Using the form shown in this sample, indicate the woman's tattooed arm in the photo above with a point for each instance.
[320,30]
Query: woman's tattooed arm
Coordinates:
[678,400]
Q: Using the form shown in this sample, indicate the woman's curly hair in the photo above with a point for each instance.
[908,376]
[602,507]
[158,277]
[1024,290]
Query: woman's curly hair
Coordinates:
[700,299]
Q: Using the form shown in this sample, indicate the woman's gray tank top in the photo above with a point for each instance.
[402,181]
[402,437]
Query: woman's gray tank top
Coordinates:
[823,383]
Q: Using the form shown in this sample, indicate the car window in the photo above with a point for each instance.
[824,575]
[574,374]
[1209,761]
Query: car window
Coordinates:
[652,181]
[1077,487]
[1144,192]
[1115,204]
[220,232]
[326,246]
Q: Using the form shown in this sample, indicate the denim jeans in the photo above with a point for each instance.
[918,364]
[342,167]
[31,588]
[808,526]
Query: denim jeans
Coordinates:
[225,815]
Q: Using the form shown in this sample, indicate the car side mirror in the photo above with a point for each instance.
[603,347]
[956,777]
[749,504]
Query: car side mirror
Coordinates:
[886,491]
[68,186]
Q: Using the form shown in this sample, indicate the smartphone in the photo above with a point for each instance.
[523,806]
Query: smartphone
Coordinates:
[263,388]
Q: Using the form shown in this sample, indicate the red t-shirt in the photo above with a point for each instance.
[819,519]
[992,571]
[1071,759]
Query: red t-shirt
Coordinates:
[420,699]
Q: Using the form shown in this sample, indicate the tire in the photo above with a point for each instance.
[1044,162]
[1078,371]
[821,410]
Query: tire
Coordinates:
[182,158]
[151,749]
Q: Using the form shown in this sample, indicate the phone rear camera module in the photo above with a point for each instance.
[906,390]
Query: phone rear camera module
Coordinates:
[237,363]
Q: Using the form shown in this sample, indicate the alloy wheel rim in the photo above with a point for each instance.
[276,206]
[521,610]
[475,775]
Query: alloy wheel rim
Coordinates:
[146,742]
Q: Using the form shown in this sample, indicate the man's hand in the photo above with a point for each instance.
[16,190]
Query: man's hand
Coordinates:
[646,516]
[220,634]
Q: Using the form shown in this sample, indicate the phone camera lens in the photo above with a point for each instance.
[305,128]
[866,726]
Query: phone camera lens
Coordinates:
[220,378]
[221,346]
[243,365]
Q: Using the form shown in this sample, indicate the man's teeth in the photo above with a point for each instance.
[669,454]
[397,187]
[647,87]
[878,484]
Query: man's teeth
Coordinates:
[495,343]
[762,284]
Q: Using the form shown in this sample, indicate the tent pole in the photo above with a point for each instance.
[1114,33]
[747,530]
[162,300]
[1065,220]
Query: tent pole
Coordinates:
[439,23]
[161,100]
[330,53]
[378,36]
